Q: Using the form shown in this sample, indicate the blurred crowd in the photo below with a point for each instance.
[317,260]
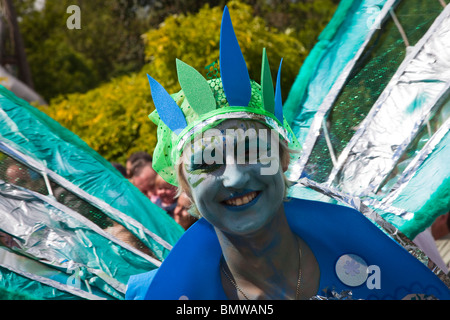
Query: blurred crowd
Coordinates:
[139,171]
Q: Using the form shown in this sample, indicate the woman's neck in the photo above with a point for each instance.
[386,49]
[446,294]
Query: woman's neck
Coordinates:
[264,264]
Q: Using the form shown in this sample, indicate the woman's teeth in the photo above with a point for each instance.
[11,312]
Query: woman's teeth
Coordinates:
[239,201]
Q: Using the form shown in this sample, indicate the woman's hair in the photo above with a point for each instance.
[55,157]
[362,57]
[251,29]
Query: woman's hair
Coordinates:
[183,186]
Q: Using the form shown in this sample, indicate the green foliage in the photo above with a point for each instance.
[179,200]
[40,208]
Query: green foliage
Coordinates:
[309,18]
[112,118]
[65,61]
[303,19]
[66,71]
[194,39]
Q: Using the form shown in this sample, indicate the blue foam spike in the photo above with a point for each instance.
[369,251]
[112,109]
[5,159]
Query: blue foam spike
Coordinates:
[278,98]
[233,69]
[168,110]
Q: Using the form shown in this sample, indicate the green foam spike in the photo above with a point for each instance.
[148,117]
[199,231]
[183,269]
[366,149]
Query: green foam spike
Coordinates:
[268,94]
[196,88]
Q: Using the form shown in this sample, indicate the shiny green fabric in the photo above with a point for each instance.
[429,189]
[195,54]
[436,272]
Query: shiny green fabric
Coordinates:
[40,138]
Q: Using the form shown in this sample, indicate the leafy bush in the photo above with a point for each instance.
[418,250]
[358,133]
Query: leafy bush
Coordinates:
[112,118]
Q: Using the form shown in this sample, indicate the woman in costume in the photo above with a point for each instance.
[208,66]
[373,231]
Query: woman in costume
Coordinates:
[251,242]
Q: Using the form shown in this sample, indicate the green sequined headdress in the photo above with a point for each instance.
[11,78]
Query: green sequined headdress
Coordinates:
[202,104]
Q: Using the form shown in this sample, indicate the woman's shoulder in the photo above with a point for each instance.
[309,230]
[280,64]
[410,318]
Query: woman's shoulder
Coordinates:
[138,285]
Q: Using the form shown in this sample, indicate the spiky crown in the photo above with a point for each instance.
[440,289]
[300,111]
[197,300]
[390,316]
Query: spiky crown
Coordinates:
[235,81]
[200,95]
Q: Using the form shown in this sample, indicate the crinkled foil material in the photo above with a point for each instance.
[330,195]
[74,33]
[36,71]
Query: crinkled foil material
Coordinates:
[401,111]
[17,271]
[332,294]
[131,224]
[34,226]
[371,209]
[309,139]
[415,164]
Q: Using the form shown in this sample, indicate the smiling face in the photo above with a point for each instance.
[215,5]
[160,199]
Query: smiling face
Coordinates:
[145,180]
[226,175]
[165,191]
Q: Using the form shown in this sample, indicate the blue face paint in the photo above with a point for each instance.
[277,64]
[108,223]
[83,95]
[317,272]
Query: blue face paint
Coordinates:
[235,197]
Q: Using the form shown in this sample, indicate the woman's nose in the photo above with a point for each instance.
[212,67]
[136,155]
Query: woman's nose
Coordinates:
[235,176]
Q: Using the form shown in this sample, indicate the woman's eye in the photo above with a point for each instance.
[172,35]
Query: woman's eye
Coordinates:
[252,156]
[203,167]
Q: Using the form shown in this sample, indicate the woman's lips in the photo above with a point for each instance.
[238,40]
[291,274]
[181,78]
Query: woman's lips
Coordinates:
[241,200]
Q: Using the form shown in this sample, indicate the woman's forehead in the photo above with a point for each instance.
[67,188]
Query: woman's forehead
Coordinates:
[234,128]
[240,124]
[232,131]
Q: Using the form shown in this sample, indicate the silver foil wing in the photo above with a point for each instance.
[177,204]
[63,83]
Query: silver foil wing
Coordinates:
[61,243]
[405,106]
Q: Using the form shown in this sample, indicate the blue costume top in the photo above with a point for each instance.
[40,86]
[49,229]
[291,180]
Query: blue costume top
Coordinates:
[352,253]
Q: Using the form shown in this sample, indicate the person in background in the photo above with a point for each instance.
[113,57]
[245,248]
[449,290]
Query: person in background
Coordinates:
[166,194]
[139,155]
[143,177]
[181,212]
[252,241]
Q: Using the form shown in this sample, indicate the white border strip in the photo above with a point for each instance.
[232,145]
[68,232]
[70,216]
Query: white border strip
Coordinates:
[54,284]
